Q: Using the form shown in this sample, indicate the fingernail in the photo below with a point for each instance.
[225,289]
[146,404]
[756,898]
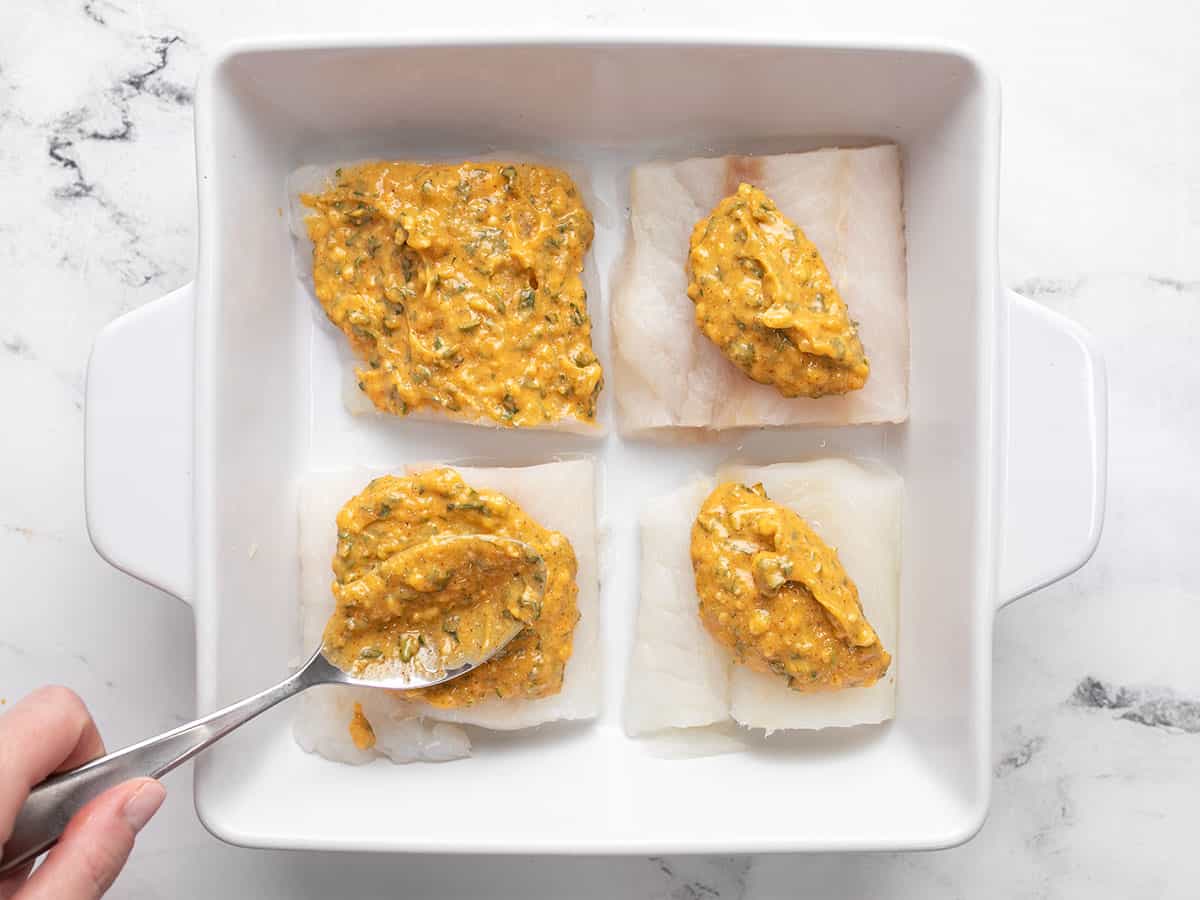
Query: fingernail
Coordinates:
[143,804]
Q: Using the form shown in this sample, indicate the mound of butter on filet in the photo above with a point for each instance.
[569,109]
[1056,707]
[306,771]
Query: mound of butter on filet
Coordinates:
[405,593]
[430,563]
[777,595]
[764,296]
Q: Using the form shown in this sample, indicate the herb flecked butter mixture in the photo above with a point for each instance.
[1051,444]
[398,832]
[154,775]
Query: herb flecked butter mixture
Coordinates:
[430,572]
[774,593]
[764,296]
[459,288]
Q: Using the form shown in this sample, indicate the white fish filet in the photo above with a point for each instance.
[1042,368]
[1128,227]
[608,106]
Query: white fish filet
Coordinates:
[680,677]
[312,179]
[848,202]
[323,716]
[560,496]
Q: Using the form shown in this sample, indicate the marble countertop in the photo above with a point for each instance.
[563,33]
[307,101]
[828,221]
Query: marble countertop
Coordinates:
[1097,689]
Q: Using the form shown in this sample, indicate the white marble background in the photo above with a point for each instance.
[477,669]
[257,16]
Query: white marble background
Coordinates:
[1097,683]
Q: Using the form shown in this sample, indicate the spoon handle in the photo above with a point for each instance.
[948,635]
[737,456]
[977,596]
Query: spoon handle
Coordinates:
[53,802]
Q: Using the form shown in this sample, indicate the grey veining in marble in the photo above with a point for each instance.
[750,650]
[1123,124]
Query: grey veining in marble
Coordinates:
[1097,688]
[1156,707]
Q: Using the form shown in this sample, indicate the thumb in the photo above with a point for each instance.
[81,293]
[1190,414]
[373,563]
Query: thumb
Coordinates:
[93,849]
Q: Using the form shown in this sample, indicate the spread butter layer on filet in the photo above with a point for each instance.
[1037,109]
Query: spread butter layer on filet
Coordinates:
[459,288]
[764,296]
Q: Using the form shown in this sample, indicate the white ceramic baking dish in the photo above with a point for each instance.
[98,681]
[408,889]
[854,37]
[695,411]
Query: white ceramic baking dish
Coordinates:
[205,408]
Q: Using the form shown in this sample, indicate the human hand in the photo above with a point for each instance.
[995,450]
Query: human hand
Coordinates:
[51,731]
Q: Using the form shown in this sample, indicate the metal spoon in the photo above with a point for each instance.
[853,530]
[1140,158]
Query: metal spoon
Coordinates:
[53,802]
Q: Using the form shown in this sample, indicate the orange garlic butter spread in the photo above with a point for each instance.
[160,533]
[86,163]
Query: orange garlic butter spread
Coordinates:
[763,295]
[774,593]
[410,590]
[459,288]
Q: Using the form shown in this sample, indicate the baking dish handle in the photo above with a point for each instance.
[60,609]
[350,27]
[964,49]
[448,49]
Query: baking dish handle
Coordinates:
[1057,447]
[138,423]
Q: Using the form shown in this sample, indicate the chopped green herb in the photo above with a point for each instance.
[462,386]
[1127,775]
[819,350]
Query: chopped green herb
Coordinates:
[409,645]
[752,266]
